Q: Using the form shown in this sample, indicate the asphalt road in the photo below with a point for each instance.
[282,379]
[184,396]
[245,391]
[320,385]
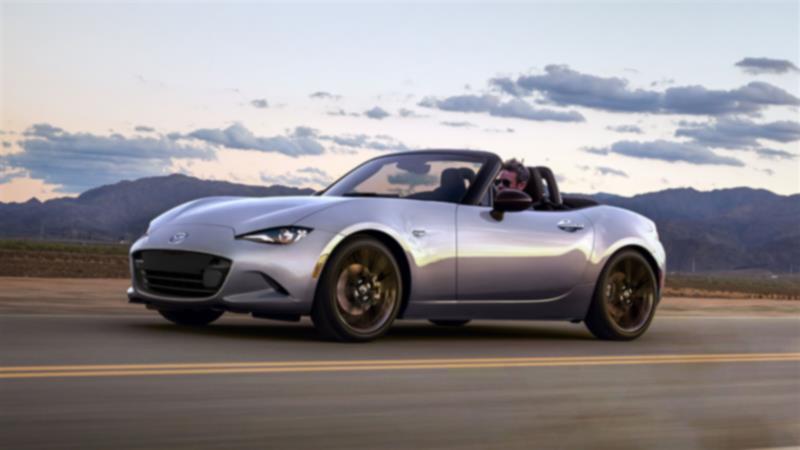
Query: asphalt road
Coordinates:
[86,382]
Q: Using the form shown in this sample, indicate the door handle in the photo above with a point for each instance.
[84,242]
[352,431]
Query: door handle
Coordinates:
[570,226]
[418,233]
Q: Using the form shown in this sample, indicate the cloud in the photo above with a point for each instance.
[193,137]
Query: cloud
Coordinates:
[304,177]
[663,82]
[560,85]
[596,150]
[299,179]
[498,130]
[766,65]
[514,108]
[462,103]
[260,103]
[313,171]
[237,136]
[307,176]
[43,130]
[377,113]
[667,151]
[768,153]
[79,161]
[458,124]
[304,132]
[521,109]
[563,86]
[362,141]
[602,170]
[738,133]
[625,129]
[9,173]
[379,142]
[507,85]
[404,112]
[322,95]
[341,113]
[144,129]
[747,99]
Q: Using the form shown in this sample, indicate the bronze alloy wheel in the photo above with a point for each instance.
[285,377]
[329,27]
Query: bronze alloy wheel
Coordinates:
[625,299]
[629,294]
[361,292]
[366,289]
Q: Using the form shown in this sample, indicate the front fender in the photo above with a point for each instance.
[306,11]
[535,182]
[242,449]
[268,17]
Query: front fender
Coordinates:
[617,228]
[425,231]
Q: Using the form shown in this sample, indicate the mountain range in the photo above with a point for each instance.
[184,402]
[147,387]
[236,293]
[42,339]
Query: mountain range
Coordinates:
[723,229]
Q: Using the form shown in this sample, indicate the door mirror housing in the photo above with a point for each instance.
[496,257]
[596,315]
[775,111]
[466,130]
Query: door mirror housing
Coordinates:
[510,200]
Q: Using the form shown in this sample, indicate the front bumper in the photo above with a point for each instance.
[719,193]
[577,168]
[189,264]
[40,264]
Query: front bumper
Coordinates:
[263,279]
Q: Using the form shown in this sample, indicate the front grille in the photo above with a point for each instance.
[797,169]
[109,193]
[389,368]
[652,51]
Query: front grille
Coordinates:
[179,274]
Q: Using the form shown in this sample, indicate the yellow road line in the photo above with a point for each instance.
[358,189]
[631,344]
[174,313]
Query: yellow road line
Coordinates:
[375,365]
[384,361]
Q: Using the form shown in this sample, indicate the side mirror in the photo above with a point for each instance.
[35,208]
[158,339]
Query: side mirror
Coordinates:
[510,200]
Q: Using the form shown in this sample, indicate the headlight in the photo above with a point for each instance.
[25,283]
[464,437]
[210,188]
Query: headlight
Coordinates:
[280,235]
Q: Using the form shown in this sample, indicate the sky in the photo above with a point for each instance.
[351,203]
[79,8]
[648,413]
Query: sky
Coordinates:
[621,97]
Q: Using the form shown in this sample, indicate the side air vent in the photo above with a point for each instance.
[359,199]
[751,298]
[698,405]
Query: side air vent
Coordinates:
[179,274]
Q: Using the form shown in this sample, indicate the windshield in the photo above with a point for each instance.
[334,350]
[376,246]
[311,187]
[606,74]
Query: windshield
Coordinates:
[425,176]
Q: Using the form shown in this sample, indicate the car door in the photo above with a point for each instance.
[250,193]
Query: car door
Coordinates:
[528,255]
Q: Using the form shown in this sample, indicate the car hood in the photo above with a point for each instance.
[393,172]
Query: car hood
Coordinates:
[245,214]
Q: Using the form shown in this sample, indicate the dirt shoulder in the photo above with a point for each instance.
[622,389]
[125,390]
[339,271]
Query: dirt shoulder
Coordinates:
[24,295]
[65,296]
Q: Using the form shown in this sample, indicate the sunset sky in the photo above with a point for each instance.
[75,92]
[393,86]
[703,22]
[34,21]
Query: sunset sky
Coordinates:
[616,97]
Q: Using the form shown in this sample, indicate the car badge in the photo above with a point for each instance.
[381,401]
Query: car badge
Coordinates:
[177,238]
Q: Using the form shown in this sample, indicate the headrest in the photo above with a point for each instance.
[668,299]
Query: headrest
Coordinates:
[452,176]
[535,186]
[467,174]
[452,186]
[553,194]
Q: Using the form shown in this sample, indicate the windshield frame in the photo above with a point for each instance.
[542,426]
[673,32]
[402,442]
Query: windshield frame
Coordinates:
[490,165]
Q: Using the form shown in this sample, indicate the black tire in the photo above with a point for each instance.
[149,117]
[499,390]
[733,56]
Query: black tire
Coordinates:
[449,323]
[191,317]
[359,292]
[625,298]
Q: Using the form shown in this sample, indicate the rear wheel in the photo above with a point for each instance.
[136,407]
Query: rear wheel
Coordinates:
[191,317]
[450,323]
[625,298]
[360,292]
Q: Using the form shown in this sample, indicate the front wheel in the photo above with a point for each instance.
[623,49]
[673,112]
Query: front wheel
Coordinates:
[625,298]
[191,317]
[359,293]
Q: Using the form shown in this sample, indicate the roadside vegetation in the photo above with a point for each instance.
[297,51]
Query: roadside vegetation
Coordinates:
[734,284]
[30,258]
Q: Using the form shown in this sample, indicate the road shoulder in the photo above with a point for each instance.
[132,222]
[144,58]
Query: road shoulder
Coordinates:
[23,295]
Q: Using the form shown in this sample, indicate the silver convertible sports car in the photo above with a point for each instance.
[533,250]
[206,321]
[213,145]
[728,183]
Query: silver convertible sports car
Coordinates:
[416,235]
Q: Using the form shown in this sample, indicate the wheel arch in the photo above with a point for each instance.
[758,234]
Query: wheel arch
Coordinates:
[393,246]
[651,261]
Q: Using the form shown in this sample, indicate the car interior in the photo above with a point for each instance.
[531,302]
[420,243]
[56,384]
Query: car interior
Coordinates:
[453,185]
[542,187]
[543,190]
